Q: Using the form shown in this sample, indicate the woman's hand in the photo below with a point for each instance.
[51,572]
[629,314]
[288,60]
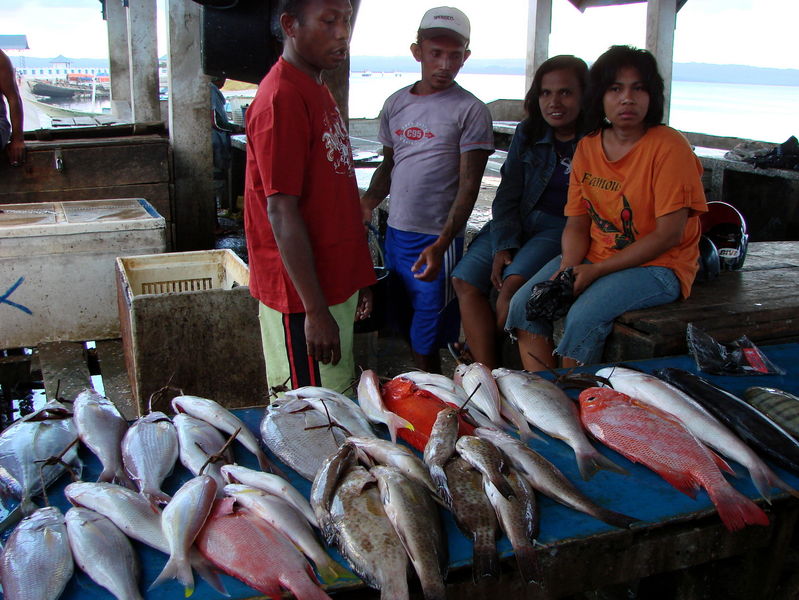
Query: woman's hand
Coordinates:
[585,275]
[501,260]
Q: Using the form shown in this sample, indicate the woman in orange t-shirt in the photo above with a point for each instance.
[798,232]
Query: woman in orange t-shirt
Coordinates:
[635,195]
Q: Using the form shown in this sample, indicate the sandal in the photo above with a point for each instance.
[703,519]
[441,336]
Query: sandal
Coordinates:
[460,352]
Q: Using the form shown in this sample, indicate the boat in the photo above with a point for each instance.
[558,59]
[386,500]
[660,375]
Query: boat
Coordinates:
[51,90]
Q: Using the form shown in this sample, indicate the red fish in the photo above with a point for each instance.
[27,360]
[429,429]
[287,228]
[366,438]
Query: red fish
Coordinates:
[653,438]
[402,397]
[251,550]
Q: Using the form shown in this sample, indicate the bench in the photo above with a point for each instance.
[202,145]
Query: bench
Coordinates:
[759,301]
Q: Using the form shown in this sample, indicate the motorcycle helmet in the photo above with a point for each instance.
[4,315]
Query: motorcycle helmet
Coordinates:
[709,263]
[726,228]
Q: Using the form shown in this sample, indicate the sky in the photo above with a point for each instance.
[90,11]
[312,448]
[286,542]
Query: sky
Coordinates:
[710,31]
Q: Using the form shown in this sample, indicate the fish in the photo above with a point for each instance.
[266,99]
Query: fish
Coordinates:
[299,435]
[36,563]
[511,414]
[413,514]
[29,441]
[470,412]
[548,408]
[778,405]
[343,411]
[198,441]
[101,428]
[324,485]
[283,517]
[403,397]
[149,451]
[181,521]
[486,458]
[224,420]
[518,516]
[272,484]
[251,550]
[361,531]
[547,478]
[749,423]
[399,457]
[136,517]
[481,387]
[440,448]
[661,443]
[371,402]
[655,392]
[436,379]
[104,553]
[474,516]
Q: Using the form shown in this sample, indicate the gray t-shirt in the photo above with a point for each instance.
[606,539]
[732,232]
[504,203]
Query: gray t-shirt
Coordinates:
[428,135]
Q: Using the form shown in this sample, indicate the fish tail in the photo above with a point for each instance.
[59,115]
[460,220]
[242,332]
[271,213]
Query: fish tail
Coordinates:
[528,563]
[156,497]
[611,517]
[439,477]
[122,478]
[107,475]
[394,422]
[169,571]
[27,506]
[485,562]
[591,460]
[765,479]
[208,572]
[735,509]
[330,571]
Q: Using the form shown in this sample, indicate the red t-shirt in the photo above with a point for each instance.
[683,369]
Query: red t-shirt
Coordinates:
[297,145]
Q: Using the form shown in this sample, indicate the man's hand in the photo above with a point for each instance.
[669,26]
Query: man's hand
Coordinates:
[428,264]
[16,152]
[365,305]
[501,260]
[322,338]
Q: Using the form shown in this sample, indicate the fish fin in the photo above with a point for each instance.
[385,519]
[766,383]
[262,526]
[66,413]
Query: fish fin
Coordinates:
[592,461]
[722,464]
[27,506]
[736,510]
[529,565]
[333,571]
[526,434]
[107,475]
[617,519]
[395,422]
[208,572]
[270,467]
[440,479]
[156,497]
[503,487]
[485,561]
[169,571]
[682,481]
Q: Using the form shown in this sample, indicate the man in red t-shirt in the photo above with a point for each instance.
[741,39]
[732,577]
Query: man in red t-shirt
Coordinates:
[309,259]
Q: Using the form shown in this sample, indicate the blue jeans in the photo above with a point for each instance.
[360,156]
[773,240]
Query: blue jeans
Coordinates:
[590,319]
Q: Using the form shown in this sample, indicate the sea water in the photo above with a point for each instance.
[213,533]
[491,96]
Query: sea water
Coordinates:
[768,113]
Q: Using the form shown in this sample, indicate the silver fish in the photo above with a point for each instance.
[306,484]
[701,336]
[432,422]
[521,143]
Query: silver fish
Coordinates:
[400,457]
[198,441]
[101,428]
[362,532]
[371,403]
[224,420]
[548,407]
[37,562]
[299,435]
[456,400]
[440,448]
[30,440]
[333,469]
[484,457]
[425,378]
[412,512]
[518,516]
[283,517]
[547,478]
[272,484]
[474,516]
[103,552]
[480,385]
[345,413]
[181,521]
[149,452]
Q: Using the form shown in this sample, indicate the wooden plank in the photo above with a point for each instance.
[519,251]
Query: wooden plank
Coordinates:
[64,363]
[115,377]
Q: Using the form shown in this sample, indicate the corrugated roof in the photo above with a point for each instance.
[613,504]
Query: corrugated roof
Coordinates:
[581,5]
[14,42]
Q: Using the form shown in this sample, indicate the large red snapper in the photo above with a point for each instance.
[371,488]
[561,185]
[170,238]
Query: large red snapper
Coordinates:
[657,440]
[249,549]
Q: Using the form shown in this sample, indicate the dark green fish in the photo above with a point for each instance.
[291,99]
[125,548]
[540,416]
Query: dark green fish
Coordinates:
[779,406]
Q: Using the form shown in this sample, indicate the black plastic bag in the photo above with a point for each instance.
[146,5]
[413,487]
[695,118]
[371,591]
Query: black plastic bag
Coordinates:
[741,357]
[551,299]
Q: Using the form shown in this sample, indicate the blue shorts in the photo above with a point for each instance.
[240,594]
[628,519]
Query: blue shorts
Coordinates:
[424,310]
[541,244]
[590,319]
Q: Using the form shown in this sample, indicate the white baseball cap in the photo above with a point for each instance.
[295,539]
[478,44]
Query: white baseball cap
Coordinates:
[445,20]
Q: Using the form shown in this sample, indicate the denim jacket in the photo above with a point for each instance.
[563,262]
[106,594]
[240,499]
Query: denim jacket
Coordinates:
[525,176]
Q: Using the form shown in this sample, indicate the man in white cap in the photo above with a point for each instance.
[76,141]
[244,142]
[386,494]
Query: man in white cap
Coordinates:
[436,140]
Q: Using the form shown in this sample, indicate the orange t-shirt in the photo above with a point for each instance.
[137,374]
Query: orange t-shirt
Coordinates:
[658,176]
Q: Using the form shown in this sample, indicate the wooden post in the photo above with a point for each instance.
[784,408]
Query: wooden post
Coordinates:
[118,59]
[539,26]
[661,21]
[143,61]
[190,129]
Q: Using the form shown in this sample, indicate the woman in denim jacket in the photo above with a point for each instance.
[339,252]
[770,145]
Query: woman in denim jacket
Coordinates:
[527,213]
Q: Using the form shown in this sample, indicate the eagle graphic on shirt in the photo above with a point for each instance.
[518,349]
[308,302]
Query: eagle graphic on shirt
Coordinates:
[617,239]
[337,143]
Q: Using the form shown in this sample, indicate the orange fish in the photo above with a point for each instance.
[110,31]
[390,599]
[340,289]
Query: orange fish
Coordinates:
[251,550]
[653,438]
[404,398]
